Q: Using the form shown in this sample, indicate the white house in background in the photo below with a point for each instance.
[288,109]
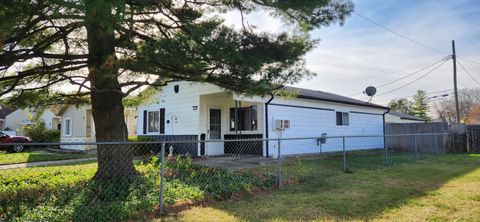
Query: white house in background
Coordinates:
[17,119]
[200,111]
[50,118]
[21,117]
[4,111]
[78,125]
[396,117]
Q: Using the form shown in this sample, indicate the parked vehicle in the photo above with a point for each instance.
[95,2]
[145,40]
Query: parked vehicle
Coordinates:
[4,138]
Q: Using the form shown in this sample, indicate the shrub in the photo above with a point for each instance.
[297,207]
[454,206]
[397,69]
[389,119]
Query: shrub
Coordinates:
[142,149]
[40,134]
[67,193]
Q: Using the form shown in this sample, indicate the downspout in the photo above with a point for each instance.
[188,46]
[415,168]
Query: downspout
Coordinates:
[384,137]
[266,124]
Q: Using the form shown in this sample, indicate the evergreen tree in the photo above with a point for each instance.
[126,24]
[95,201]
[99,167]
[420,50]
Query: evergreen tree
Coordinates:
[419,105]
[108,49]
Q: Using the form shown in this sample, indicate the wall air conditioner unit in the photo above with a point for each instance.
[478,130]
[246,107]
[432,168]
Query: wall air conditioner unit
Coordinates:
[282,124]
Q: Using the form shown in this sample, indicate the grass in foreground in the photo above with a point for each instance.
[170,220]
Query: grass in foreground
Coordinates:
[66,192]
[443,188]
[37,155]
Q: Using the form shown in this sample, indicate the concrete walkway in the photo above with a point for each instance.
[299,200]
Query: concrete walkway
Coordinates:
[44,163]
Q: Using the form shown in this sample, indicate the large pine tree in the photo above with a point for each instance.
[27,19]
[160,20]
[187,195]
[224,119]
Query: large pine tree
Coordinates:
[103,50]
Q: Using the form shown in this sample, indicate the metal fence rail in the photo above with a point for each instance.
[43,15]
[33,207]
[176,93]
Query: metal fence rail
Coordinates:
[78,180]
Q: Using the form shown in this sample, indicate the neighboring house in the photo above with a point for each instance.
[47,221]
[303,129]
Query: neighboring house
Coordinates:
[50,118]
[78,125]
[396,117]
[201,111]
[4,111]
[17,119]
[21,117]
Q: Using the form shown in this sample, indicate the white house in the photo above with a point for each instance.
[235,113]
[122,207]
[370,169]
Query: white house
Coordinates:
[17,119]
[21,117]
[4,111]
[396,117]
[78,125]
[50,118]
[201,111]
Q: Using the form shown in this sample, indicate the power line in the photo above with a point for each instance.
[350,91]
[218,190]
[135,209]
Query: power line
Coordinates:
[409,74]
[471,76]
[400,35]
[469,60]
[406,97]
[415,80]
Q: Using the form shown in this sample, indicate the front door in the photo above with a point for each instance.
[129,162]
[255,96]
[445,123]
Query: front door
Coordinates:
[215,124]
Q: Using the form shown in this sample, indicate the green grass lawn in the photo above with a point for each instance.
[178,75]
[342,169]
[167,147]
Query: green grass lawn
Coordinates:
[37,155]
[67,192]
[433,188]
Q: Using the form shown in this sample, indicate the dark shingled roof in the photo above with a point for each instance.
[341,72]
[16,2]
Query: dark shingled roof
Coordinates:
[329,97]
[406,116]
[4,111]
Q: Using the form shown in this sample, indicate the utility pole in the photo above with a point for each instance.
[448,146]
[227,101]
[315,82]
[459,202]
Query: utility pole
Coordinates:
[454,58]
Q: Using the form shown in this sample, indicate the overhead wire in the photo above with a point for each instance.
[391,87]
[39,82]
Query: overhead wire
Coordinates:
[409,74]
[399,34]
[468,73]
[415,80]
[406,97]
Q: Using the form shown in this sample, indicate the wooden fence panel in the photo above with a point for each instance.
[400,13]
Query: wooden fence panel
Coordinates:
[425,143]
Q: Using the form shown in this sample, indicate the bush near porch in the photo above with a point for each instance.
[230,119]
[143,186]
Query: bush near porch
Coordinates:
[66,192]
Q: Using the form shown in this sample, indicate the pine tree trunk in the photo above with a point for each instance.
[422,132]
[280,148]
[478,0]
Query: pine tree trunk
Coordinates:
[106,97]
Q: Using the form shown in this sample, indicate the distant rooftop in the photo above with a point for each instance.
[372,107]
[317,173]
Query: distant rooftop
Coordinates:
[406,116]
[4,111]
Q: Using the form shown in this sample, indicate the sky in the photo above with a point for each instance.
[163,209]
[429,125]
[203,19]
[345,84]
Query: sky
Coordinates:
[359,54]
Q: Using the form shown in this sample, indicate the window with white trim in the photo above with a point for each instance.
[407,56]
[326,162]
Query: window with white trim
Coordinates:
[67,129]
[342,119]
[153,121]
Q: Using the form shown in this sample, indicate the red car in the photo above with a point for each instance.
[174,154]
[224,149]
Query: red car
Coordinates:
[4,138]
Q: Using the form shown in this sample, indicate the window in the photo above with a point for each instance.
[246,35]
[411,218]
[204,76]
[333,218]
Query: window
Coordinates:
[342,119]
[67,130]
[153,122]
[245,118]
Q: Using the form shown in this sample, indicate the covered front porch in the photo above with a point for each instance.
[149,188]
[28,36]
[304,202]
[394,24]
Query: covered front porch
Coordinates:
[224,116]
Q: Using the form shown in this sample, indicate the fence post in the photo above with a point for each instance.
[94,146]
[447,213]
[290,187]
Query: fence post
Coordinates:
[436,144]
[385,149]
[453,143]
[415,145]
[162,177]
[344,156]
[279,161]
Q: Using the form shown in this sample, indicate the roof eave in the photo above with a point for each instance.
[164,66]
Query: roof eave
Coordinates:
[343,102]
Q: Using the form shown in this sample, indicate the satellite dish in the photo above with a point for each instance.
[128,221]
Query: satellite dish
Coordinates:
[370,91]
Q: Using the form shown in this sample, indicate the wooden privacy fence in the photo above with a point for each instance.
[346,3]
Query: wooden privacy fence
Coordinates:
[424,143]
[473,135]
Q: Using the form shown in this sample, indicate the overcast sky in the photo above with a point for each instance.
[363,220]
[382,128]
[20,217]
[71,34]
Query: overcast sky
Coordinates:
[360,54]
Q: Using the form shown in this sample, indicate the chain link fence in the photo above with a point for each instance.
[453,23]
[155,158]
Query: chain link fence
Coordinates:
[118,181]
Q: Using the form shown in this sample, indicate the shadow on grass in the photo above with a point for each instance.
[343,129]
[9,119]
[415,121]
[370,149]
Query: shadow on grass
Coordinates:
[330,194]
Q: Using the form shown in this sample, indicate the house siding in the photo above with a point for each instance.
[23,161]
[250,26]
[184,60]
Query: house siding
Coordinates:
[178,104]
[16,120]
[311,119]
